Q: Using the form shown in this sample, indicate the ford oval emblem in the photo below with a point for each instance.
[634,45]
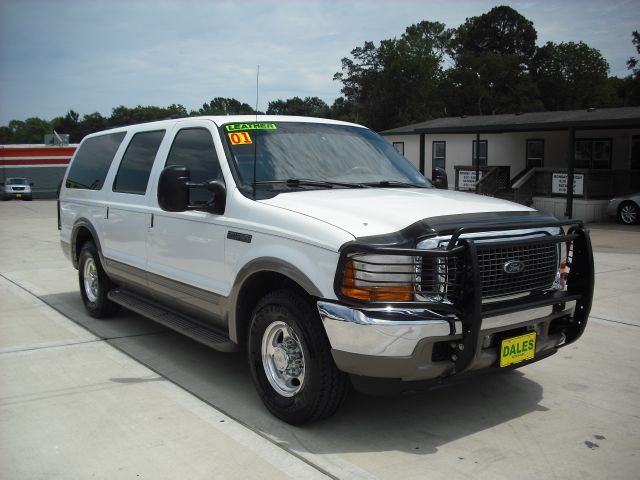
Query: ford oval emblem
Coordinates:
[513,266]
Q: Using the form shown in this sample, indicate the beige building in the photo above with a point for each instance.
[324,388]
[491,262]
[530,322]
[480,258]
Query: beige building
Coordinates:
[525,157]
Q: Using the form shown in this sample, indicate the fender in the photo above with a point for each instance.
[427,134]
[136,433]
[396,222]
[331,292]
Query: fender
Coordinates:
[264,264]
[83,223]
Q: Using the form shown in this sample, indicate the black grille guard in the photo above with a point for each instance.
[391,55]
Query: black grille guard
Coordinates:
[470,309]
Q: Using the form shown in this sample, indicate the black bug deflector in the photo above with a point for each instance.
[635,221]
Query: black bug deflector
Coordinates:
[463,291]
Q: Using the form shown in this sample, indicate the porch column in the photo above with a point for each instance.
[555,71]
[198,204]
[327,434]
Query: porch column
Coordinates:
[572,145]
[422,153]
[477,160]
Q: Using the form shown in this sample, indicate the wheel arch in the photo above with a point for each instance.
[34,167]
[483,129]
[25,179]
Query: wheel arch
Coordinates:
[82,232]
[253,282]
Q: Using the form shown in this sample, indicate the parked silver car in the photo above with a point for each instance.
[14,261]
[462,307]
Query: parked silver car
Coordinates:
[16,188]
[626,209]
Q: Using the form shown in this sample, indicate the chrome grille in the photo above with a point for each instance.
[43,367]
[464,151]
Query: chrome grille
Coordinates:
[442,278]
[539,273]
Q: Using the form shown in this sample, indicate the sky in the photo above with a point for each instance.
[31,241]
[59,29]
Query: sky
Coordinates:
[91,56]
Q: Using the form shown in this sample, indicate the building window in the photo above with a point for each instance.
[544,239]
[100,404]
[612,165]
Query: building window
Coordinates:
[635,153]
[535,153]
[399,146]
[483,152]
[593,153]
[439,154]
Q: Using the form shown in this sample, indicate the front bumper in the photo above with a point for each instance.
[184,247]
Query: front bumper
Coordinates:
[411,347]
[17,195]
[430,340]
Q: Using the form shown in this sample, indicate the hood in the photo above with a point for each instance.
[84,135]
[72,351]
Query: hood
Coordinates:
[377,211]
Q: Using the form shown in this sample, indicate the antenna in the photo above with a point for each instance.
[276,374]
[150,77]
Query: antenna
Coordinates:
[257,90]
[255,144]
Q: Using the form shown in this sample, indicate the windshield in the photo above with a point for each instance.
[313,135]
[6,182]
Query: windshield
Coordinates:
[16,181]
[299,155]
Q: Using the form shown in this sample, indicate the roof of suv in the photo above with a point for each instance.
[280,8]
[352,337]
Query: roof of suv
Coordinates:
[222,119]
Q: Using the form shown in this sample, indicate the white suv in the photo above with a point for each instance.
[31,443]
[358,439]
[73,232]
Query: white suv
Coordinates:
[17,188]
[317,248]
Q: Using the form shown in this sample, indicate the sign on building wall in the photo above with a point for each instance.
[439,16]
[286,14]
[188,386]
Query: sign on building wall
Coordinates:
[559,183]
[467,179]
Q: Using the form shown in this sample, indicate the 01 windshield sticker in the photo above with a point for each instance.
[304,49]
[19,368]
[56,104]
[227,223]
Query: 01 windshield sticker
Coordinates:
[236,127]
[240,138]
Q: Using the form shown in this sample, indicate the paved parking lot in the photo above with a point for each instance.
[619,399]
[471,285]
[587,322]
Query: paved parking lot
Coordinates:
[126,398]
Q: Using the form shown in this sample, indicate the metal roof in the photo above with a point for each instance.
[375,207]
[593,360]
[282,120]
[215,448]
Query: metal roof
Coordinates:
[623,117]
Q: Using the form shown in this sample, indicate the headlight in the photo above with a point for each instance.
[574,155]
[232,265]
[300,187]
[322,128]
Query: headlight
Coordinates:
[379,278]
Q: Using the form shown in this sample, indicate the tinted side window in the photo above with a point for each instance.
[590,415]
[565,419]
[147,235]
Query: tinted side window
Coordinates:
[193,148]
[93,160]
[134,170]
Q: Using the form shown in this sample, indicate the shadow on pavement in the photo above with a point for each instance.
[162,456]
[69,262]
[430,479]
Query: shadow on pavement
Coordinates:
[419,424]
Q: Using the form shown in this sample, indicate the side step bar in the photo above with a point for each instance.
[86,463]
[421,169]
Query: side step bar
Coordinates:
[180,324]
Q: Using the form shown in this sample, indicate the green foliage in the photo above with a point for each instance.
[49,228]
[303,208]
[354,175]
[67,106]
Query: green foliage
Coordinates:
[307,107]
[32,130]
[224,106]
[398,81]
[571,76]
[491,56]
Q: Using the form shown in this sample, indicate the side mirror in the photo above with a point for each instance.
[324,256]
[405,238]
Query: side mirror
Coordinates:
[173,191]
[439,178]
[31,184]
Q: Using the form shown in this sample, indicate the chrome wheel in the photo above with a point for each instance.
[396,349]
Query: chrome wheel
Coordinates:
[283,359]
[91,284]
[629,213]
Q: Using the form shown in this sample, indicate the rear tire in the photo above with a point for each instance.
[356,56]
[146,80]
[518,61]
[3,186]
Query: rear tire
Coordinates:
[94,283]
[628,213]
[290,360]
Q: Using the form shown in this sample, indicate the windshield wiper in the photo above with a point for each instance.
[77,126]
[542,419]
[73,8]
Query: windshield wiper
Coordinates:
[299,182]
[393,183]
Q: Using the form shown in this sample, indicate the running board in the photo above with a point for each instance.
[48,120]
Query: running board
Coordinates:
[180,324]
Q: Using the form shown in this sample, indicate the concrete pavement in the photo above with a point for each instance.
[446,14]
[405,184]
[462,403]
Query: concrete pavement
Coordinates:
[125,398]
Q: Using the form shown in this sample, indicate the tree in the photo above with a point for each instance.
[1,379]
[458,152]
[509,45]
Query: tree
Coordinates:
[491,55]
[224,106]
[121,116]
[571,76]
[628,88]
[397,82]
[309,107]
[69,124]
[32,130]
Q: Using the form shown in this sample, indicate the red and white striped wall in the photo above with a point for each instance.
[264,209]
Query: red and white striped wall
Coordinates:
[35,156]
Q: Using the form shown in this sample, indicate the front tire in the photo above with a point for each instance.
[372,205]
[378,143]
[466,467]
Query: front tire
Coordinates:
[290,360]
[628,213]
[94,283]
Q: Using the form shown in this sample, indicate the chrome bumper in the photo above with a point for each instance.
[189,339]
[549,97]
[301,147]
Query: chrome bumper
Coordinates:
[373,333]
[368,332]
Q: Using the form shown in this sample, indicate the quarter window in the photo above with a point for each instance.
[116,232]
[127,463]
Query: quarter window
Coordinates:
[194,149]
[92,161]
[134,170]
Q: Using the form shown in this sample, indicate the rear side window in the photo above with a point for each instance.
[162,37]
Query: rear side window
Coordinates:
[92,162]
[134,170]
[193,148]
